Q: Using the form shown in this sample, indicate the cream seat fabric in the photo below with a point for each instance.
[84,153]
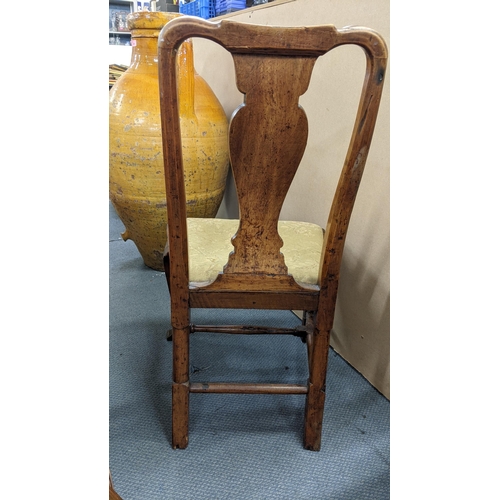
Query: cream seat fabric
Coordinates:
[209,245]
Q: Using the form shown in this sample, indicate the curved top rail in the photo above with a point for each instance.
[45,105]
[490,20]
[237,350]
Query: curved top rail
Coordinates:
[246,38]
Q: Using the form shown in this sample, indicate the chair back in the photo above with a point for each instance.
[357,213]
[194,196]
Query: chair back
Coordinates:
[267,139]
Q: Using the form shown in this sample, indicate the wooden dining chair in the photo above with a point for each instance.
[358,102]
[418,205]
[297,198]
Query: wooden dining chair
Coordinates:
[258,261]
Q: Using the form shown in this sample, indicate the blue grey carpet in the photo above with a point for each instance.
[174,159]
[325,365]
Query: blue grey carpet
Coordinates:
[240,446]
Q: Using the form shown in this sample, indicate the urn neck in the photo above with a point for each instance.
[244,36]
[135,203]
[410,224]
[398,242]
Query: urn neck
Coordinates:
[145,28]
[144,53]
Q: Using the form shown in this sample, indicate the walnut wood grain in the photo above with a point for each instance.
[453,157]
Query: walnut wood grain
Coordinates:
[241,388]
[253,300]
[248,329]
[264,168]
[267,138]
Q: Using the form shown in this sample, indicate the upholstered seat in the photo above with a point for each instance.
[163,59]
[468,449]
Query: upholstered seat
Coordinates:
[209,245]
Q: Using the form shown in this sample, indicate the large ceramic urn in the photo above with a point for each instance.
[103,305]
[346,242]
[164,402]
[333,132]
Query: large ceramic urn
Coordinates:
[136,172]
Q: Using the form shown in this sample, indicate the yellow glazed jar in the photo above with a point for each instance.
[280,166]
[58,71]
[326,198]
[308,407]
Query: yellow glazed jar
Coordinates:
[136,175]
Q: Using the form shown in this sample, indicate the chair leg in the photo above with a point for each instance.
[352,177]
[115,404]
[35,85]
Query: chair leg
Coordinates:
[315,401]
[180,388]
[308,322]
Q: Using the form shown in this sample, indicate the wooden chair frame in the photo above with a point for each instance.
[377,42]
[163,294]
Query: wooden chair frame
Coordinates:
[267,138]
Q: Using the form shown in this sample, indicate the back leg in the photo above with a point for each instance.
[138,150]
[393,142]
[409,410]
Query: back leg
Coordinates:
[180,388]
[315,401]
